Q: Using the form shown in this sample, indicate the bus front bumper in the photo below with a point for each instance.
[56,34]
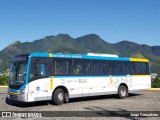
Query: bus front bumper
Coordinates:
[18,97]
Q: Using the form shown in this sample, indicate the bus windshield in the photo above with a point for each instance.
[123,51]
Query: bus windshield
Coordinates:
[17,75]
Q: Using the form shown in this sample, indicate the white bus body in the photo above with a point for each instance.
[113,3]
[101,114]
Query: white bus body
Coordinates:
[61,83]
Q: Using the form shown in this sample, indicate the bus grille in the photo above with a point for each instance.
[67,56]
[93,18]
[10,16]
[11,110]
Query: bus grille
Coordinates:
[13,97]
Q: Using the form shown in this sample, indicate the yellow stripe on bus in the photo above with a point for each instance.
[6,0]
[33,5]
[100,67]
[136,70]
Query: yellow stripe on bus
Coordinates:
[50,55]
[51,77]
[139,75]
[51,82]
[3,86]
[16,93]
[139,60]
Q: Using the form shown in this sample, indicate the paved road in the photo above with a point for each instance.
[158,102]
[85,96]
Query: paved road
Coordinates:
[140,101]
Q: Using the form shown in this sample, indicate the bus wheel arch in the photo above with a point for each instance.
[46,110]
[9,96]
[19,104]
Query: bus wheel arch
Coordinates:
[63,91]
[122,91]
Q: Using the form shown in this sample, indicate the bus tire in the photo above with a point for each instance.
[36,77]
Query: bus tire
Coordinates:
[7,100]
[122,92]
[66,98]
[58,96]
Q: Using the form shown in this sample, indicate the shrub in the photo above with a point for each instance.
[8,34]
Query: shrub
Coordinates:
[156,83]
[3,80]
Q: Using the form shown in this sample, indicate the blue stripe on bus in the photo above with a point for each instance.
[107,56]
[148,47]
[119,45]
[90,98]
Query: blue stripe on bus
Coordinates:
[105,58]
[39,54]
[89,76]
[78,56]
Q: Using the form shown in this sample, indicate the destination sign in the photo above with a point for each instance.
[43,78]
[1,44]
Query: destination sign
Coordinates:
[20,58]
[67,55]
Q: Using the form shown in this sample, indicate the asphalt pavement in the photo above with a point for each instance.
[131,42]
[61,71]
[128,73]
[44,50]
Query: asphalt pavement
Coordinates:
[85,108]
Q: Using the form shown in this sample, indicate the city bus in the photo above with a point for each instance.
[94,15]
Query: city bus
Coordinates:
[59,77]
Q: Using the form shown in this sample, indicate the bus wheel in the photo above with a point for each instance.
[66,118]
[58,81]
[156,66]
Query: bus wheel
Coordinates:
[58,96]
[66,98]
[122,92]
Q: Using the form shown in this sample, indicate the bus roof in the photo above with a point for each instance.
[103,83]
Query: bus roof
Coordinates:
[87,56]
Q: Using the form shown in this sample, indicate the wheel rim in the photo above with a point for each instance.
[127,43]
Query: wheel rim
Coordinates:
[60,96]
[123,92]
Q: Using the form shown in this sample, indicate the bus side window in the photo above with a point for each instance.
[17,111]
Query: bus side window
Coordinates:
[62,66]
[141,68]
[99,67]
[78,67]
[95,68]
[33,71]
[128,68]
[87,67]
[115,67]
[42,68]
[38,70]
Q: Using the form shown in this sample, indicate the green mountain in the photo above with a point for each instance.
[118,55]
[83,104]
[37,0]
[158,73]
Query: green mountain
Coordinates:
[84,44]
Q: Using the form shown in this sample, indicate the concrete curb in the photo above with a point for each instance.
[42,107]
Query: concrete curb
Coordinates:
[153,89]
[3,86]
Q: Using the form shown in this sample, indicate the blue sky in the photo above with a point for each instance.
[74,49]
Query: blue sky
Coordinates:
[112,20]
